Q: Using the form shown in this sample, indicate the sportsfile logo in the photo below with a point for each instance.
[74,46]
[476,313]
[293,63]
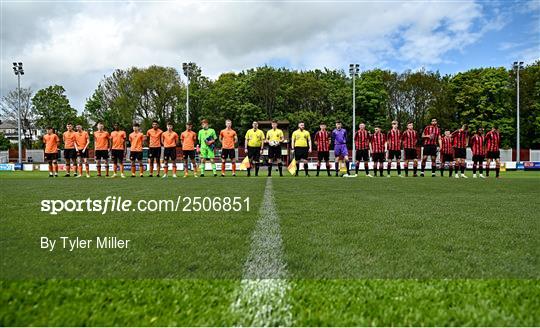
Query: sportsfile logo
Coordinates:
[112,204]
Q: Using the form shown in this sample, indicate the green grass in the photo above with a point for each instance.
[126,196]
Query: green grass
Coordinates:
[416,251]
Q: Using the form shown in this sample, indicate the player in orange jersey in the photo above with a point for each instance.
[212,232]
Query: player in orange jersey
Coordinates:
[154,145]
[169,139]
[118,148]
[70,154]
[82,140]
[189,140]
[136,139]
[228,139]
[51,140]
[101,148]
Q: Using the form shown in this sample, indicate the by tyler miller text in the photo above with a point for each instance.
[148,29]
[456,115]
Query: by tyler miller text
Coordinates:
[76,243]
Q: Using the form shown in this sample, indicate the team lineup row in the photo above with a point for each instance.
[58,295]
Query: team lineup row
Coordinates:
[377,145]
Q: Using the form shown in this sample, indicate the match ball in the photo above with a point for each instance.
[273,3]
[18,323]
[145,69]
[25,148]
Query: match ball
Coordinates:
[274,143]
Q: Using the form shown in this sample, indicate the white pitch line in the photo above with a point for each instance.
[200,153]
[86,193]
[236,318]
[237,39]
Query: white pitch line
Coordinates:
[262,296]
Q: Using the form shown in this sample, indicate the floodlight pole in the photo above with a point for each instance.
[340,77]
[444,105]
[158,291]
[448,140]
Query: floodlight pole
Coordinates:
[187,97]
[517,67]
[353,70]
[18,70]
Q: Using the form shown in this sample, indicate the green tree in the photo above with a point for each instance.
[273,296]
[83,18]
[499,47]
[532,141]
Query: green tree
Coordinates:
[52,108]
[4,142]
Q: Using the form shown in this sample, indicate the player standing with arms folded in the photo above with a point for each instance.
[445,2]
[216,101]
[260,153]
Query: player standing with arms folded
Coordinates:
[431,137]
[377,147]
[362,139]
[339,139]
[207,142]
[51,140]
[274,138]
[447,152]
[136,139]
[322,140]
[479,152]
[410,138]
[169,139]
[154,147]
[118,149]
[301,146]
[189,140]
[493,143]
[254,144]
[70,154]
[394,148]
[228,139]
[82,141]
[460,139]
[101,148]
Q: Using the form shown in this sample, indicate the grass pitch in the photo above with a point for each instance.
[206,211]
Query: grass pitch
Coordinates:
[416,251]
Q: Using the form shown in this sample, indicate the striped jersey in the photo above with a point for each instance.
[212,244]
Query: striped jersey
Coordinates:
[493,141]
[409,138]
[377,142]
[459,138]
[433,133]
[322,138]
[394,139]
[446,145]
[477,144]
[361,139]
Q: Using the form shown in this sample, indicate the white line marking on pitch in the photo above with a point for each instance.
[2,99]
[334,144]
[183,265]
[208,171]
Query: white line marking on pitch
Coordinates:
[262,296]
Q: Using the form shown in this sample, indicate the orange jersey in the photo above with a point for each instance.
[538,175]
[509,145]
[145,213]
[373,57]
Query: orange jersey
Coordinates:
[189,138]
[69,139]
[170,139]
[118,140]
[101,140]
[136,141]
[51,143]
[154,138]
[228,138]
[81,139]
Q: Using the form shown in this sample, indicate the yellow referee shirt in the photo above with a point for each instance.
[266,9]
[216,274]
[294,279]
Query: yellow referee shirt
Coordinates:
[272,135]
[255,138]
[300,138]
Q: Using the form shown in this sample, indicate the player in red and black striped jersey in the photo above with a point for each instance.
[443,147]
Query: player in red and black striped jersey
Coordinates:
[393,142]
[478,150]
[322,140]
[460,140]
[409,139]
[378,148]
[493,143]
[430,136]
[447,152]
[361,140]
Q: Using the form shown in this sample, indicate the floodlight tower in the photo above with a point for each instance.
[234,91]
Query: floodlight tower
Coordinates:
[18,70]
[517,66]
[354,70]
[188,68]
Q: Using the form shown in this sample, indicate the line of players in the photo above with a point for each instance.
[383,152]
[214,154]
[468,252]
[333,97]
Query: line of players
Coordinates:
[452,146]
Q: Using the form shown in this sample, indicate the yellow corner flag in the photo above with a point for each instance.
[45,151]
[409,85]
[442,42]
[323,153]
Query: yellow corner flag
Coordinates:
[292,167]
[245,164]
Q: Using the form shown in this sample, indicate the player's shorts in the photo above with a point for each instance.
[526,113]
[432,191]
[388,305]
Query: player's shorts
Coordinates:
[447,157]
[323,156]
[274,152]
[378,157]
[51,156]
[70,153]
[254,153]
[460,152]
[117,155]
[189,154]
[135,155]
[169,154]
[394,154]
[154,152]
[362,155]
[494,154]
[207,152]
[300,153]
[341,150]
[102,154]
[478,158]
[410,153]
[430,150]
[228,153]
[82,154]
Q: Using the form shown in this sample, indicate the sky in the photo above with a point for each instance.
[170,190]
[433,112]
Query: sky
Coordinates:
[76,43]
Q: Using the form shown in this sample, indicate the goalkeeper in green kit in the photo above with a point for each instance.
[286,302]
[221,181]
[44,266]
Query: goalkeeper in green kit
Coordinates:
[207,141]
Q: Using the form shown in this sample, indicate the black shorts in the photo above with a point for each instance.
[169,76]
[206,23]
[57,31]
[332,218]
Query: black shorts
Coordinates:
[169,154]
[254,153]
[323,156]
[478,158]
[70,153]
[188,154]
[102,154]
[228,153]
[154,152]
[51,156]
[82,154]
[117,155]
[135,155]
[394,154]
[494,154]
[274,152]
[378,157]
[447,157]
[300,153]
[460,152]
[362,155]
[410,153]
[430,150]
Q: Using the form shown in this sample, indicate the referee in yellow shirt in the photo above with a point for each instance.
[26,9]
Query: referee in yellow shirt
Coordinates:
[274,138]
[301,145]
[254,145]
